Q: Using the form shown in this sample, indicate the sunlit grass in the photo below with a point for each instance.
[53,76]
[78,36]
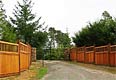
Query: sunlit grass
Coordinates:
[41,72]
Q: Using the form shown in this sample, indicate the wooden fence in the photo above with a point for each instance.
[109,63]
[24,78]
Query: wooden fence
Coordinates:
[73,52]
[14,58]
[89,54]
[102,55]
[80,54]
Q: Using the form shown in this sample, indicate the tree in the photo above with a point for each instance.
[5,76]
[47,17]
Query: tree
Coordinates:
[58,41]
[39,40]
[24,21]
[29,29]
[51,34]
[62,39]
[100,32]
[6,30]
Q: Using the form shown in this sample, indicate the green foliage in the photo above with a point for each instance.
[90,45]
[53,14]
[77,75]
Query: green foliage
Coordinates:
[62,39]
[41,72]
[51,34]
[57,42]
[25,21]
[97,33]
[59,38]
[54,54]
[39,39]
[6,30]
[28,28]
[8,33]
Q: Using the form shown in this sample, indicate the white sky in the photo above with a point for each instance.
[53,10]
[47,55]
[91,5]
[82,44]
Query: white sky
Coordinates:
[71,14]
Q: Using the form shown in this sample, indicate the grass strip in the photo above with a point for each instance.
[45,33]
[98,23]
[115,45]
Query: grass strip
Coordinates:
[41,72]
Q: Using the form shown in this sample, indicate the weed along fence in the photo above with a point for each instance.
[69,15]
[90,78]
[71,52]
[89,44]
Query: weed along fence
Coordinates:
[102,55]
[14,58]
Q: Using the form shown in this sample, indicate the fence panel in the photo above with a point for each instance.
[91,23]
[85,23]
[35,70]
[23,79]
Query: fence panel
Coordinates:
[73,54]
[112,55]
[9,59]
[101,55]
[81,54]
[14,58]
[25,55]
[89,54]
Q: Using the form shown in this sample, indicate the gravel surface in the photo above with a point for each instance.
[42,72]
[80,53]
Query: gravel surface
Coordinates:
[58,70]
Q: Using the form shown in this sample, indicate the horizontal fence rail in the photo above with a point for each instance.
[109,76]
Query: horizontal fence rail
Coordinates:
[14,58]
[102,55]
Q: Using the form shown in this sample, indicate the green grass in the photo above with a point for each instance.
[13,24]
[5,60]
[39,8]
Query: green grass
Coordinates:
[41,72]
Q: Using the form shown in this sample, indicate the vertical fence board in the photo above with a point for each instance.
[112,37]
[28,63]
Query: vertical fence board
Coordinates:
[112,55]
[73,54]
[80,54]
[89,54]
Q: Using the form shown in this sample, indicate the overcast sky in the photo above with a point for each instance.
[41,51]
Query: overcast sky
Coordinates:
[71,14]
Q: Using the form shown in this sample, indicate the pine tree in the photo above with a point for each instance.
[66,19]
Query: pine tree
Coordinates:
[24,21]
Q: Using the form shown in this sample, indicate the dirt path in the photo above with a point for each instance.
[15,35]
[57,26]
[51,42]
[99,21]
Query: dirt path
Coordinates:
[58,70]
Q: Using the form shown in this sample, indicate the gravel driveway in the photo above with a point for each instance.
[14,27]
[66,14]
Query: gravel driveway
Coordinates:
[58,70]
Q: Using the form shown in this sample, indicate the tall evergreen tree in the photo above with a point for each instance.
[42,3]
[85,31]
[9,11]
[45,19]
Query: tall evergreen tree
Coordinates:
[24,21]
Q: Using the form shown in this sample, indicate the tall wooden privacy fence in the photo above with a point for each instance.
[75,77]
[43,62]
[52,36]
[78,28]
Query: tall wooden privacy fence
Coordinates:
[102,55]
[14,58]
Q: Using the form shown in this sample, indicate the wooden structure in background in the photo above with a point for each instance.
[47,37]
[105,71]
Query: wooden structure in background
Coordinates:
[33,55]
[66,54]
[14,58]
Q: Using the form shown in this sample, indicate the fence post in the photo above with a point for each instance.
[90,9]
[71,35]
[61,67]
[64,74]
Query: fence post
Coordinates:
[18,42]
[84,54]
[76,54]
[94,54]
[29,54]
[69,54]
[109,50]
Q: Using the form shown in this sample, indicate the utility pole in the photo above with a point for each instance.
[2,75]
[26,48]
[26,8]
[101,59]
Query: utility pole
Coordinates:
[67,30]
